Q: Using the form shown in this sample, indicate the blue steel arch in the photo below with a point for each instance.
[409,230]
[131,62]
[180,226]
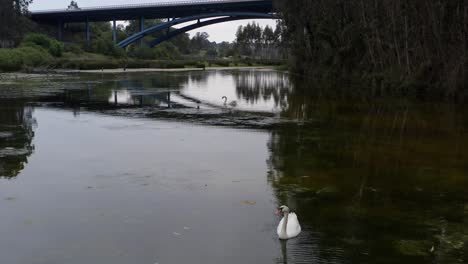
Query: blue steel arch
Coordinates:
[179,31]
[227,16]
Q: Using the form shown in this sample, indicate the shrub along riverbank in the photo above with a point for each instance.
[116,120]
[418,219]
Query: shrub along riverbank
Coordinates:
[38,52]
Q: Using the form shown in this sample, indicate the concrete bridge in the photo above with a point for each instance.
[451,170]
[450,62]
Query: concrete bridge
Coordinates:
[201,12]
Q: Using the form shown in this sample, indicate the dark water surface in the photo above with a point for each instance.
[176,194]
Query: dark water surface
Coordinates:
[154,168]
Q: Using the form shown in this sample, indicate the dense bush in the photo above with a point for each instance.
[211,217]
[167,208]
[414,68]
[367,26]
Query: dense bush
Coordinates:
[136,64]
[34,57]
[162,51]
[94,65]
[73,48]
[10,60]
[17,59]
[54,47]
[105,45]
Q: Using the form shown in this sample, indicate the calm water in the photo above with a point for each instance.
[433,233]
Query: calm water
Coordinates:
[153,168]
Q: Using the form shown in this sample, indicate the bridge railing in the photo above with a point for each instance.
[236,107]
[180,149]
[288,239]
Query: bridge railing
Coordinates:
[143,5]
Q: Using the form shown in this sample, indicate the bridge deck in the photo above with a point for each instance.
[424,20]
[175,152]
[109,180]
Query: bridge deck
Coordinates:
[152,11]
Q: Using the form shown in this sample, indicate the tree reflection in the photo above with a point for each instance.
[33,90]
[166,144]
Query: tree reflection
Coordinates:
[384,177]
[16,134]
[253,86]
[131,91]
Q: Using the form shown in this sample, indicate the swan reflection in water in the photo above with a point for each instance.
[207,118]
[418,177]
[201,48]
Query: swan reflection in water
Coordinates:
[232,103]
[284,251]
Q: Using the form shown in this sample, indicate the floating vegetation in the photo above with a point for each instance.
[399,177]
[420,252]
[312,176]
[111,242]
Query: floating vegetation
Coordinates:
[352,241]
[419,248]
[454,241]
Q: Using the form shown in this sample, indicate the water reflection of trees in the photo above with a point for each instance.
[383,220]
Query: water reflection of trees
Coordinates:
[253,86]
[385,177]
[133,90]
[16,134]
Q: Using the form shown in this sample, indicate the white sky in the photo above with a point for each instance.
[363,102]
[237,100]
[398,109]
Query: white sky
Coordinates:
[218,32]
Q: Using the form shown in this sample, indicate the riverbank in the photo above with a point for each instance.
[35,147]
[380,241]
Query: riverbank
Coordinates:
[12,77]
[122,70]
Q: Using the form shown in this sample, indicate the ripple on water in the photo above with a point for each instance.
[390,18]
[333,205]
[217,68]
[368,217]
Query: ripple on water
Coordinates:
[6,134]
[13,152]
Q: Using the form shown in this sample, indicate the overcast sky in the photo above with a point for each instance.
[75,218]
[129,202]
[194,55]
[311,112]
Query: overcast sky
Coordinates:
[219,32]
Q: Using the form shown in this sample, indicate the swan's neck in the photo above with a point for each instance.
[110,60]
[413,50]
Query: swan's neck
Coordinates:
[285,223]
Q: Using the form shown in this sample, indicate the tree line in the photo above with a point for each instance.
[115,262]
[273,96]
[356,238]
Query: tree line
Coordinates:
[254,41]
[12,22]
[420,43]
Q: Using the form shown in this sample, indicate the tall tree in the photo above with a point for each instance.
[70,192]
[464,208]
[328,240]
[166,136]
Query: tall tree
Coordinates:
[423,42]
[12,21]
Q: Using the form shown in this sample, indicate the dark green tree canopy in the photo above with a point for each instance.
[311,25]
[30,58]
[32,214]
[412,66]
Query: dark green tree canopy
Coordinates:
[12,22]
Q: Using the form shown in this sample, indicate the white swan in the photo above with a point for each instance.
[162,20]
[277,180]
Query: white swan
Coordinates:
[289,226]
[232,103]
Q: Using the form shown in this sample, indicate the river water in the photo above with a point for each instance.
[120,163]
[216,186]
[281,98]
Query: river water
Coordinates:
[155,168]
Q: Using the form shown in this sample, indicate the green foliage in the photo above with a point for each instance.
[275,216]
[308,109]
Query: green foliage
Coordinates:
[53,46]
[34,56]
[422,42]
[17,59]
[89,64]
[93,65]
[103,46]
[201,42]
[162,51]
[10,60]
[73,48]
[212,53]
[13,23]
[255,41]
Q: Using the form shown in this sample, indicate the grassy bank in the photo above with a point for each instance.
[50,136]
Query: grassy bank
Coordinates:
[39,52]
[29,59]
[89,61]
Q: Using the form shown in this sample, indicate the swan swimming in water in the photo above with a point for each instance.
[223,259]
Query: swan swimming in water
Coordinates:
[232,103]
[289,226]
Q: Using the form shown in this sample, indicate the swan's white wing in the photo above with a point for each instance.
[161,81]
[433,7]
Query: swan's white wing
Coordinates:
[278,230]
[294,228]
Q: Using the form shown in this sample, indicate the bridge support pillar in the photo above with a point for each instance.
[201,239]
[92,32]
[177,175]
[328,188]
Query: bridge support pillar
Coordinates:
[142,27]
[114,32]
[59,30]
[88,31]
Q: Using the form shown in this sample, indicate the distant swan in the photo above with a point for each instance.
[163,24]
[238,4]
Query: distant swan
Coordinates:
[232,103]
[289,226]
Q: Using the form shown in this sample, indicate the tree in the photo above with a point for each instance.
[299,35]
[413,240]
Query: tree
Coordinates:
[253,40]
[200,42]
[12,22]
[73,5]
[21,6]
[421,42]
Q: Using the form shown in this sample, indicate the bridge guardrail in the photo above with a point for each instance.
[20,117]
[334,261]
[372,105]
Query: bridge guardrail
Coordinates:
[160,4]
